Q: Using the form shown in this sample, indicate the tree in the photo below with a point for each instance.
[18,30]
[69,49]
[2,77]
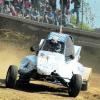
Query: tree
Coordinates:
[83,25]
[87,15]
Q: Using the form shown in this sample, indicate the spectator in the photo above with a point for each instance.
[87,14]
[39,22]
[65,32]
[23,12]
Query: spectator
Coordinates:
[76,9]
[63,5]
[67,13]
[18,6]
[49,11]
[1,6]
[58,17]
[36,4]
[7,9]
[52,3]
[27,7]
[34,15]
[67,6]
[49,15]
[13,11]
[67,18]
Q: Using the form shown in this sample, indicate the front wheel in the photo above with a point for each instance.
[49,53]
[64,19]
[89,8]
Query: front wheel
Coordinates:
[75,85]
[11,76]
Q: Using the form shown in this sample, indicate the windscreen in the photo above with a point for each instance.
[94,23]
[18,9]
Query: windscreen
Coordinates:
[54,47]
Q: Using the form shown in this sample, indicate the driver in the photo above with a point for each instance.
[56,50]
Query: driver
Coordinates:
[55,45]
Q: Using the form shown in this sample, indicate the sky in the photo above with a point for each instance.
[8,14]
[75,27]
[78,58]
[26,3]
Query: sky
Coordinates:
[95,8]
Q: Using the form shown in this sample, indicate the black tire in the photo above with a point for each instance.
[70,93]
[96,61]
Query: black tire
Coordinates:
[84,86]
[11,76]
[75,85]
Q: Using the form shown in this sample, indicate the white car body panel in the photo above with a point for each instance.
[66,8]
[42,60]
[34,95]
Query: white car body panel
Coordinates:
[47,64]
[28,64]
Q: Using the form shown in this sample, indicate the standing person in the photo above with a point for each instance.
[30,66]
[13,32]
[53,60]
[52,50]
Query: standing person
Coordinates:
[52,3]
[27,7]
[67,12]
[49,15]
[9,7]
[18,6]
[1,6]
[13,11]
[77,4]
[67,6]
[36,4]
[63,5]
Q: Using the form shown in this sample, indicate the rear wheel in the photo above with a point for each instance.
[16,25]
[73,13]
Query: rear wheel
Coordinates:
[11,76]
[85,86]
[75,85]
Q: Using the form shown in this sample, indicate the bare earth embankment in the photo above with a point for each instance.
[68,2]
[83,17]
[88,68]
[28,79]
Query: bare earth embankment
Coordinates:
[12,49]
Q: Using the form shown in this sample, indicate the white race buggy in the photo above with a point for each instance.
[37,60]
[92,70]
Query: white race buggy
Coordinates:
[57,61]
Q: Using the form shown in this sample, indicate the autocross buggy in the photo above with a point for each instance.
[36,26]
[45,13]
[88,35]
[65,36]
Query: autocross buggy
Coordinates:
[56,60]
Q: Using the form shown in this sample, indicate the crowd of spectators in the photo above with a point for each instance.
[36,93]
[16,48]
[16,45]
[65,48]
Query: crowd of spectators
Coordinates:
[46,11]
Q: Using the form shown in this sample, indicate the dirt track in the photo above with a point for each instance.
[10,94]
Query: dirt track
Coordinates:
[11,53]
